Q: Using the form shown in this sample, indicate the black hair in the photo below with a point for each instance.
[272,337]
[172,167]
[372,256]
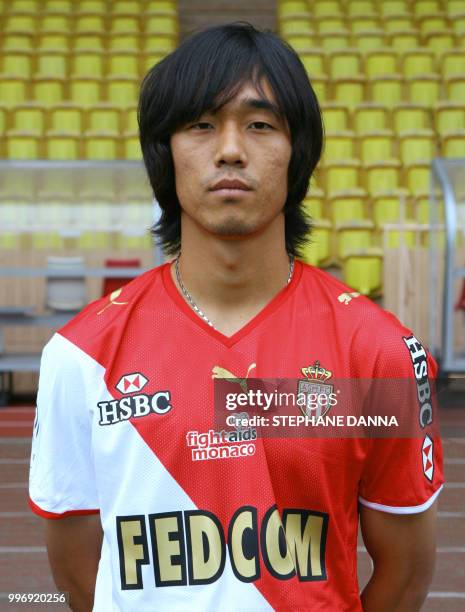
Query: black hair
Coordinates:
[204,73]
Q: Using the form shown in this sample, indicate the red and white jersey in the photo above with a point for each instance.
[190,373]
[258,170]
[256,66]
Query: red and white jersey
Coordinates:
[125,428]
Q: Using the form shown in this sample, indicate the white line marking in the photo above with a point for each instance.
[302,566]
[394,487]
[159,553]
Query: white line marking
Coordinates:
[22,549]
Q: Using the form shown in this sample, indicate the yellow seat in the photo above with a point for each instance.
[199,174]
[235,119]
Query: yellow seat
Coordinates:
[129,119]
[455,89]
[387,90]
[333,41]
[101,147]
[84,23]
[62,146]
[20,23]
[55,22]
[330,23]
[381,62]
[335,117]
[458,25]
[134,240]
[104,118]
[48,90]
[314,62]
[302,43]
[46,241]
[318,250]
[362,24]
[339,146]
[449,117]
[66,118]
[23,41]
[405,40]
[353,237]
[23,6]
[348,207]
[3,118]
[454,7]
[92,6]
[418,177]
[58,6]
[386,208]
[13,90]
[131,146]
[422,209]
[314,205]
[126,24]
[424,89]
[363,272]
[87,64]
[89,42]
[341,176]
[123,64]
[52,64]
[361,8]
[439,41]
[324,8]
[16,63]
[377,146]
[123,42]
[398,23]
[344,62]
[85,91]
[94,240]
[320,86]
[370,40]
[122,92]
[370,117]
[125,7]
[381,177]
[22,146]
[53,41]
[416,62]
[417,146]
[452,63]
[453,144]
[349,90]
[291,8]
[158,44]
[426,7]
[394,7]
[158,24]
[29,118]
[407,117]
[396,238]
[432,23]
[295,26]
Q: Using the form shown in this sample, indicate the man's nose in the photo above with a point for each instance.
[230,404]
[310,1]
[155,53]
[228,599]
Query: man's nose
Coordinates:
[230,147]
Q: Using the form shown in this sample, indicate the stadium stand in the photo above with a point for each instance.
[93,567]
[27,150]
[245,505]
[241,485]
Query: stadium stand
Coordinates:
[390,80]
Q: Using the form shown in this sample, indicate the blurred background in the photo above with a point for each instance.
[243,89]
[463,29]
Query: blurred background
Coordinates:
[387,199]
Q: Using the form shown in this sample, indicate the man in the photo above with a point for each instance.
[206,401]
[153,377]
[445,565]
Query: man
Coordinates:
[175,515]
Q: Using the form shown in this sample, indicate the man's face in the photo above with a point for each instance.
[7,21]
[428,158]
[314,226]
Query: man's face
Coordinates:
[243,141]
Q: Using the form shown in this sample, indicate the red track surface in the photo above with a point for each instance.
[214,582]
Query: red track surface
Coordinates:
[23,560]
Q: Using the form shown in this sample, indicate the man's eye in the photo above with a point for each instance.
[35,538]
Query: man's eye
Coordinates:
[261,125]
[201,125]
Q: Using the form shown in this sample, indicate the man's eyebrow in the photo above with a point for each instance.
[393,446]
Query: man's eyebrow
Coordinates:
[261,104]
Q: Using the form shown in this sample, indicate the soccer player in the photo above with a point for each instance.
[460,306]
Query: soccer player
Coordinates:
[149,506]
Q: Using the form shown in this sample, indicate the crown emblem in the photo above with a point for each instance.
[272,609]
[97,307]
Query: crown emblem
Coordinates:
[316,372]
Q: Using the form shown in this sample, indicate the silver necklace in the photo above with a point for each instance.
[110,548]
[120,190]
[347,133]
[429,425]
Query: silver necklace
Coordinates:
[189,298]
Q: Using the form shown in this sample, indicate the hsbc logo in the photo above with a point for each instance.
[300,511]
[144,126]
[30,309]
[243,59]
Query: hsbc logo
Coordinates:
[427,457]
[131,383]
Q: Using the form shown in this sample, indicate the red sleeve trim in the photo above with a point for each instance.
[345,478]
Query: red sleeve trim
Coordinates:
[56,516]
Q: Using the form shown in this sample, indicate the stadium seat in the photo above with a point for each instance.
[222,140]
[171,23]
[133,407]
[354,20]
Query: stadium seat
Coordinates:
[452,62]
[87,64]
[124,24]
[89,23]
[377,146]
[300,42]
[20,23]
[370,117]
[48,90]
[439,41]
[314,62]
[23,6]
[417,146]
[333,41]
[156,24]
[363,24]
[101,147]
[381,62]
[85,91]
[349,90]
[123,64]
[321,88]
[341,176]
[417,62]
[426,7]
[55,22]
[122,91]
[361,8]
[295,26]
[22,145]
[17,41]
[315,206]
[125,7]
[29,118]
[398,23]
[133,240]
[329,24]
[14,90]
[432,23]
[131,146]
[394,7]
[422,208]
[394,239]
[324,8]
[405,40]
[407,117]
[53,41]
[3,119]
[348,207]
[458,25]
[103,118]
[353,238]
[59,6]
[52,64]
[453,144]
[424,89]
[91,42]
[16,63]
[370,40]
[318,251]
[294,7]
[455,89]
[123,42]
[339,146]
[363,271]
[161,44]
[66,118]
[62,146]
[449,117]
[387,90]
[65,293]
[129,119]
[386,208]
[335,117]
[92,6]
[418,177]
[381,177]
[345,62]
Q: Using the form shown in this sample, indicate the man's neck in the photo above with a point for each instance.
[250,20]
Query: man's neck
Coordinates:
[232,280]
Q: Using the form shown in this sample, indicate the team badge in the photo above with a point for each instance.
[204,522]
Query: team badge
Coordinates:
[315,385]
[427,456]
[131,383]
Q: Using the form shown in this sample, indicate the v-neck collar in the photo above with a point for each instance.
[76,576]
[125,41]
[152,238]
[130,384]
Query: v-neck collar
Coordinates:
[265,312]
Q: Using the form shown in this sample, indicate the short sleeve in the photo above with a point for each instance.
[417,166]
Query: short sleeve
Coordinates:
[405,475]
[61,478]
